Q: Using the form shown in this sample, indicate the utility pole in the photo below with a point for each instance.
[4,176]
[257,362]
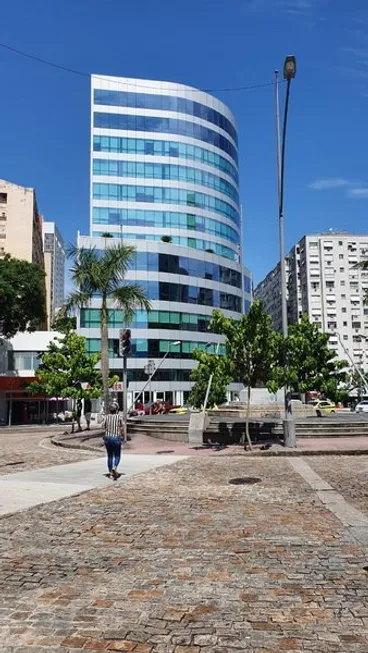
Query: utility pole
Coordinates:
[125,347]
[289,74]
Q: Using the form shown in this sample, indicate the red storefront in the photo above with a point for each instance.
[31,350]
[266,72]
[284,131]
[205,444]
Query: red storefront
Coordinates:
[23,408]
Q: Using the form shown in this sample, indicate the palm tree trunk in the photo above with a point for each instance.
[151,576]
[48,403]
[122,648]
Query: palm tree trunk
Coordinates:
[247,422]
[105,353]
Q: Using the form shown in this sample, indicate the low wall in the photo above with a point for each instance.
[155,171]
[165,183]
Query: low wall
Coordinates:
[257,411]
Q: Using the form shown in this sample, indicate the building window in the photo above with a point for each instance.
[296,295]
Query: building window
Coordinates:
[342,269]
[3,198]
[341,256]
[343,309]
[23,360]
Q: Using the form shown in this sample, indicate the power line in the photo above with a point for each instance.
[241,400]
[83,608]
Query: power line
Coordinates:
[83,74]
[44,61]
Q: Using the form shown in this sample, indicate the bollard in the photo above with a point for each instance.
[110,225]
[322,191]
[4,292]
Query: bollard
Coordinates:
[289,433]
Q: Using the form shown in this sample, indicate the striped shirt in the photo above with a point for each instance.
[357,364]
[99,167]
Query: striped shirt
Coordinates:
[113,425]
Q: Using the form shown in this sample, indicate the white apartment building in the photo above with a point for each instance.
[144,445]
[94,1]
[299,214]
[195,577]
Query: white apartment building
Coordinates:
[324,283]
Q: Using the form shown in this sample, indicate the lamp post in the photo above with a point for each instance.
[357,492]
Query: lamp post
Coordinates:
[346,351]
[171,344]
[211,377]
[289,73]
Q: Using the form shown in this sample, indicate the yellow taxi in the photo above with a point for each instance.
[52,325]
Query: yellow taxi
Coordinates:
[323,407]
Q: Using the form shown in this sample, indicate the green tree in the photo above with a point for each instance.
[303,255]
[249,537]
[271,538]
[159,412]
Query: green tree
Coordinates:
[66,370]
[310,364]
[355,382]
[252,349]
[209,364]
[63,322]
[22,296]
[101,273]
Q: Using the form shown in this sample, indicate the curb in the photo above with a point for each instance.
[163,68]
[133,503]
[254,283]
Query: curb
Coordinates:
[75,445]
[280,453]
[294,453]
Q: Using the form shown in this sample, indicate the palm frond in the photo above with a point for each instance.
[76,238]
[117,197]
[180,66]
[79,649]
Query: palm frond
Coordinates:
[86,271]
[76,299]
[115,263]
[129,298]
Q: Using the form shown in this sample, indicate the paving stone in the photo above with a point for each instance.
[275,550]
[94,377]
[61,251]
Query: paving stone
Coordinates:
[179,561]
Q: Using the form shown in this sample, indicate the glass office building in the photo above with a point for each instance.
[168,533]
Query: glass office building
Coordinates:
[164,178]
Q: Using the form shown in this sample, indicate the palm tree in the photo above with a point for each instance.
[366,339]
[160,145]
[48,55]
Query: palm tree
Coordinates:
[102,274]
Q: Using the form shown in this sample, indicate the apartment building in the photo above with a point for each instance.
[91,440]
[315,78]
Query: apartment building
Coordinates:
[54,254]
[20,223]
[324,283]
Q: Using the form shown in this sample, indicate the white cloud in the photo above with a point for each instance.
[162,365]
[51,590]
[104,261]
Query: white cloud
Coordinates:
[358,193]
[328,184]
[296,7]
[353,189]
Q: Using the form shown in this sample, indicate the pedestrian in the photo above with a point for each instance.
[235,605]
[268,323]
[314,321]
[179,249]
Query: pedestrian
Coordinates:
[79,414]
[114,432]
[88,412]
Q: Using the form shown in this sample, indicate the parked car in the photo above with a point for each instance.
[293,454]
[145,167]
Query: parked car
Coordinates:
[362,407]
[158,408]
[323,406]
[179,410]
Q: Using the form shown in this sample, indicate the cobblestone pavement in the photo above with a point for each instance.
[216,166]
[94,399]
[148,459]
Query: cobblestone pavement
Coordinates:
[21,451]
[348,475]
[180,561]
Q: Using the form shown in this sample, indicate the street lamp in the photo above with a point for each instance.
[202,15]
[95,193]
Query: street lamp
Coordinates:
[346,351]
[171,344]
[289,74]
[211,377]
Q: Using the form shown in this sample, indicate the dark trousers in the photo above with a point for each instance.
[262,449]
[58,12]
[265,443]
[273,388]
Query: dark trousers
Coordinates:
[113,448]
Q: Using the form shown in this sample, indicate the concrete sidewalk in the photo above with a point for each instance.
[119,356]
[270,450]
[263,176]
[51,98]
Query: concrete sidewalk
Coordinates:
[27,489]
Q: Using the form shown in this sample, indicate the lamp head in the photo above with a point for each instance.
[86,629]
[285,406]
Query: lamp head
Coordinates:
[290,67]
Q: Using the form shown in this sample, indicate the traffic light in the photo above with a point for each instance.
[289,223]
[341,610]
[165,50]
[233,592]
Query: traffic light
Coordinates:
[125,345]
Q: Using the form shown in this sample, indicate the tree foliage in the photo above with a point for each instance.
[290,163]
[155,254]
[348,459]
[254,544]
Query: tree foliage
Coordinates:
[310,364]
[101,274]
[22,296]
[209,364]
[63,322]
[355,382]
[252,348]
[65,366]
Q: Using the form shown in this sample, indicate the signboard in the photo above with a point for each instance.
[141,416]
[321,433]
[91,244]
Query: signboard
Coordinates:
[118,386]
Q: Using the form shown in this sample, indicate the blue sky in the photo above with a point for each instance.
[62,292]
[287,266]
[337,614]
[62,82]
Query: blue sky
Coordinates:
[209,44]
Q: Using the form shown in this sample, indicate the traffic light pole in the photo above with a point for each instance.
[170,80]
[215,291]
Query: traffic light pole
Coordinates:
[124,351]
[125,394]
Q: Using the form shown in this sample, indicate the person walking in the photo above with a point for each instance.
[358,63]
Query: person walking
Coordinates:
[114,432]
[79,414]
[88,412]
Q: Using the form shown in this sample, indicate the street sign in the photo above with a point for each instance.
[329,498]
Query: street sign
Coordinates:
[149,369]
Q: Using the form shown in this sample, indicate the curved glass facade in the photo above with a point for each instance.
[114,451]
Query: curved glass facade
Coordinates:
[173,150]
[113,168]
[165,126]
